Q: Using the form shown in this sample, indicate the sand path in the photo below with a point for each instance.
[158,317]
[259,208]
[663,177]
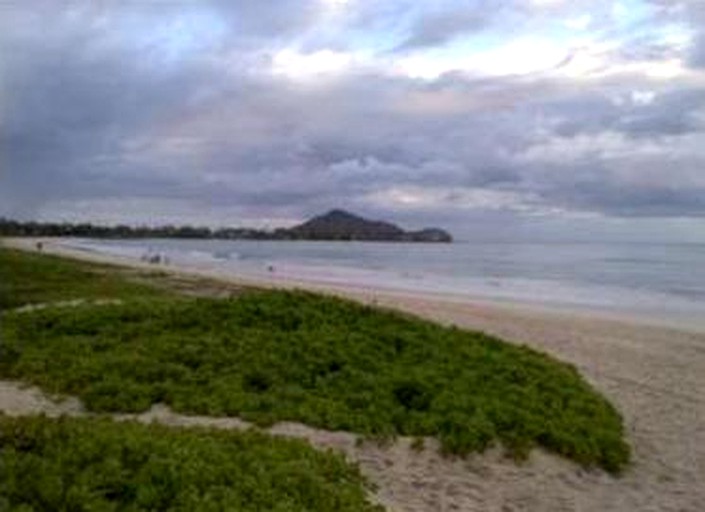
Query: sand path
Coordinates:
[654,375]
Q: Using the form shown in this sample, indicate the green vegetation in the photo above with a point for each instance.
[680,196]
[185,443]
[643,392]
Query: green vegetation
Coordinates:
[27,278]
[270,356]
[80,464]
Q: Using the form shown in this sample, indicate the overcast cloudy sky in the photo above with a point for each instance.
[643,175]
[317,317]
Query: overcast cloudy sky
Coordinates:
[570,115]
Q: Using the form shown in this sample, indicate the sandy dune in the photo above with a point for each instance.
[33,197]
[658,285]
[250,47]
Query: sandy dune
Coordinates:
[654,375]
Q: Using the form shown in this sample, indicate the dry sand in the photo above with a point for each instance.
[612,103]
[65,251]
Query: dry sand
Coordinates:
[654,375]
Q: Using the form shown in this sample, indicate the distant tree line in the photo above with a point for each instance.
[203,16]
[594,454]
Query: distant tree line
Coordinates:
[15,228]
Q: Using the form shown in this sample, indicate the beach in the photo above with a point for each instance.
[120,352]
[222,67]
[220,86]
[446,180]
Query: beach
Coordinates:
[651,370]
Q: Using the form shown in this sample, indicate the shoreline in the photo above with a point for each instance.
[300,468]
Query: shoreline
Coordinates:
[687,322]
[655,376]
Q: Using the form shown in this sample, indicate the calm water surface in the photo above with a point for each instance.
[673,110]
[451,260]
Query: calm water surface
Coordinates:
[667,278]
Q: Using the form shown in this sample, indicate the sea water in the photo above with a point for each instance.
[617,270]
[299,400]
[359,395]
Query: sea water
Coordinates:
[649,278]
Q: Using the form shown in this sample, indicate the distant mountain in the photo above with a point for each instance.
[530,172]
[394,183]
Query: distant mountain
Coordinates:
[342,225]
[334,225]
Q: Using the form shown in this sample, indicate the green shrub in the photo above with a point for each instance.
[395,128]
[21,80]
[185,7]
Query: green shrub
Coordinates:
[82,465]
[270,356]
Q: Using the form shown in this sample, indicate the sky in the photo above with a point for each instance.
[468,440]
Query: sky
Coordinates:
[565,118]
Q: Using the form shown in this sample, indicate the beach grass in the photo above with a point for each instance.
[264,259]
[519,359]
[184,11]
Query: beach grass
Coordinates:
[97,464]
[33,278]
[268,356]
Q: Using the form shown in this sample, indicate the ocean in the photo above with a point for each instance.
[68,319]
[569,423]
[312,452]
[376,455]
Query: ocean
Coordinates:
[645,278]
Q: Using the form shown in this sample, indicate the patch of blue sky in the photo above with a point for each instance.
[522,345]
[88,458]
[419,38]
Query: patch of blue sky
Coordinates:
[631,18]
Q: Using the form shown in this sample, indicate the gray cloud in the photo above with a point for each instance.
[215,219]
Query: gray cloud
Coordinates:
[666,113]
[691,13]
[99,108]
[697,19]
[697,56]
[441,27]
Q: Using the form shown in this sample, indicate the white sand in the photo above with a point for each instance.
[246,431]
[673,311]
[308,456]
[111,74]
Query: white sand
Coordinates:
[654,375]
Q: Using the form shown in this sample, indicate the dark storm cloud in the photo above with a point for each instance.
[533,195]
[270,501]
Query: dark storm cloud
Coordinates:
[143,103]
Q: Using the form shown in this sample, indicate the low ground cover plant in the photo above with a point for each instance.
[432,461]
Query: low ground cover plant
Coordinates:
[27,278]
[96,464]
[330,363]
